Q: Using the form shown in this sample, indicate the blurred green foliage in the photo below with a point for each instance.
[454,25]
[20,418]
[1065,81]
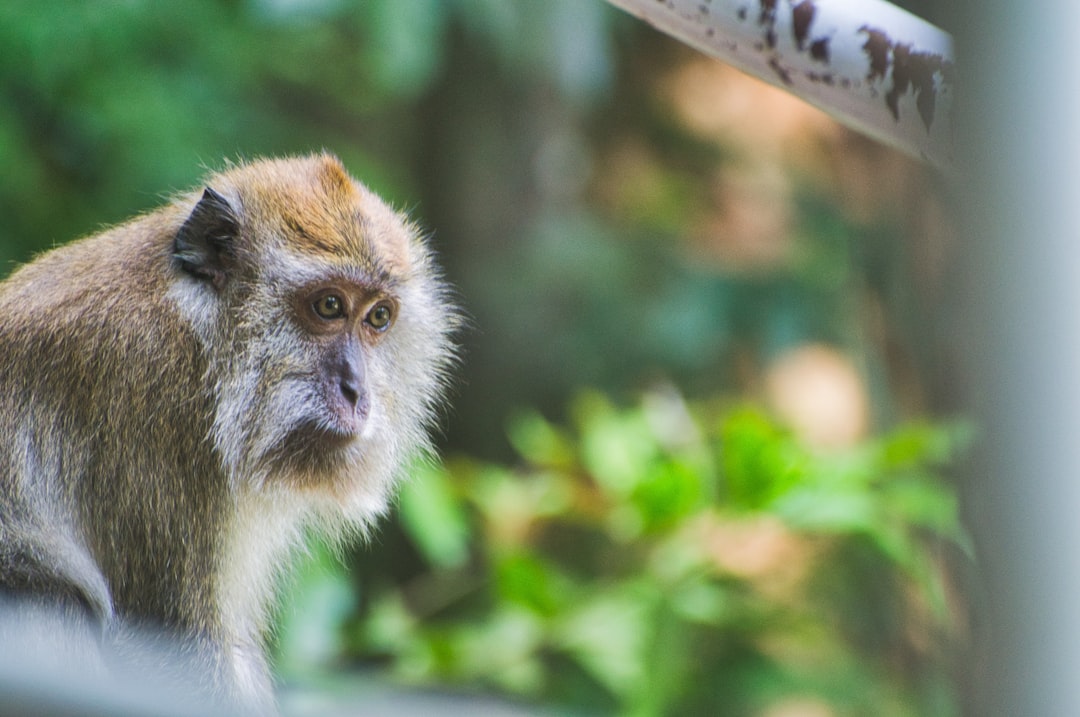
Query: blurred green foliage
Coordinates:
[668,559]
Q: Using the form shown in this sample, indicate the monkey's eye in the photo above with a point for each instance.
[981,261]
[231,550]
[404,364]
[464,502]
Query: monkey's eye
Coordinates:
[330,306]
[379,317]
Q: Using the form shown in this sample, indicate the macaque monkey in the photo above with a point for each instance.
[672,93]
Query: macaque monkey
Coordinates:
[184,395]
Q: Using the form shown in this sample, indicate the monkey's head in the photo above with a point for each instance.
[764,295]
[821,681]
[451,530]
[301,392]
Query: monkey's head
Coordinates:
[326,324]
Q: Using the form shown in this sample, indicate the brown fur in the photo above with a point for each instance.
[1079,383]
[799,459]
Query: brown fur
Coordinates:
[145,406]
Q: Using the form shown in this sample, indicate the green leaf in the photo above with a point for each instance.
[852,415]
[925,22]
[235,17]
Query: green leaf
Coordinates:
[607,634]
[832,511]
[537,584]
[923,443]
[510,503]
[924,502]
[501,647]
[433,517]
[760,461]
[538,441]
[616,448]
[670,491]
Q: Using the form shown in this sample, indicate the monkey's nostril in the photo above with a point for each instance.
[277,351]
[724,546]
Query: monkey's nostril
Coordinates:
[350,392]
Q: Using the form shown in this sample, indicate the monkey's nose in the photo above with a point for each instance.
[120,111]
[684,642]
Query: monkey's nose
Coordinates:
[352,390]
[348,376]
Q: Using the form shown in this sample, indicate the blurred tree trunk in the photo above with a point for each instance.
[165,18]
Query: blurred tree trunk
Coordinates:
[479,188]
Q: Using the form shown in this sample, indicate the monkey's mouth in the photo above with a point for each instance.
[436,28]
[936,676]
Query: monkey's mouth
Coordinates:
[314,449]
[323,436]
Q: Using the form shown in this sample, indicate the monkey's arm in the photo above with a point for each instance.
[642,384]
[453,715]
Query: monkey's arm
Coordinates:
[50,568]
[54,604]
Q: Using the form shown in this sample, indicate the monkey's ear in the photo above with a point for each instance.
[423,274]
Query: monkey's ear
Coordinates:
[203,246]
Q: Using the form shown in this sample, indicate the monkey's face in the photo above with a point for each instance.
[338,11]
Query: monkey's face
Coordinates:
[319,370]
[333,327]
[344,321]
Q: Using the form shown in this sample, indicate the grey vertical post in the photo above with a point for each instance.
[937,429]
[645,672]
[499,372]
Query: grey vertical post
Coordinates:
[1020,146]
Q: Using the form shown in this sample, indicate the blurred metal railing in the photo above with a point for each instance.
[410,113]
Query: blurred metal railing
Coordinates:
[869,64]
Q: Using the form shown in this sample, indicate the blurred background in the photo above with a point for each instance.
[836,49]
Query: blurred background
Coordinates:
[698,455]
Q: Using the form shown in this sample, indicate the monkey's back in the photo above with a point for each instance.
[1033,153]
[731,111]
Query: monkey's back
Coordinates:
[91,462]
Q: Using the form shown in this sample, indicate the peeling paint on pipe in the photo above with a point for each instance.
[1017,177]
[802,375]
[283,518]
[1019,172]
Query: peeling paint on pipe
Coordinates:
[869,64]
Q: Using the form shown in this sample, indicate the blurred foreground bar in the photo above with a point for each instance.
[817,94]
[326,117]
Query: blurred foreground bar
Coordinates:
[1020,155]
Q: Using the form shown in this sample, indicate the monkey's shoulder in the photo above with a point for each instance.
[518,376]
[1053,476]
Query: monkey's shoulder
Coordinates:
[88,315]
[121,258]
